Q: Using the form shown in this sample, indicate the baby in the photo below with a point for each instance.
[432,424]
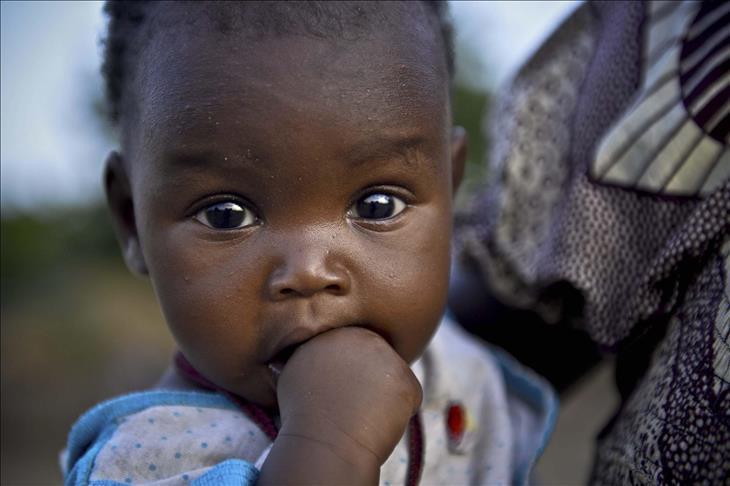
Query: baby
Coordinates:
[285,179]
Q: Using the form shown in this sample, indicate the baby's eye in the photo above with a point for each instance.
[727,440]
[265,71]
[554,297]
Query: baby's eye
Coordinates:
[377,206]
[226,216]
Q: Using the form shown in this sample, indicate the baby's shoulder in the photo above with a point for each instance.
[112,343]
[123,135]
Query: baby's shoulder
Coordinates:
[164,436]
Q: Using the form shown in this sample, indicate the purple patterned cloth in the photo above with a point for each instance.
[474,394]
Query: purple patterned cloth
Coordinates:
[609,206]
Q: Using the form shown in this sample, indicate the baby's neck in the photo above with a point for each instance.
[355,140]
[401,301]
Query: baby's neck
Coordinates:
[171,379]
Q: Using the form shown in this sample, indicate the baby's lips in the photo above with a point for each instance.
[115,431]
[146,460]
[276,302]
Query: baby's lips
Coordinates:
[275,370]
[276,365]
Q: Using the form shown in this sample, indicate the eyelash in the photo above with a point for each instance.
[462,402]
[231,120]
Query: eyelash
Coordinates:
[248,217]
[398,205]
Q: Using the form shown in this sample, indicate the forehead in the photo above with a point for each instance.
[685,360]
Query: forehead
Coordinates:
[195,84]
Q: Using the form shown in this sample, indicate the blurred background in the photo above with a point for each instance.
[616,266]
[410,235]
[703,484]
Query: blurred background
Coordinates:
[77,328]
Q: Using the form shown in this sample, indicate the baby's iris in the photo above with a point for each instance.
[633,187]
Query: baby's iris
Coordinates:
[226,215]
[377,206]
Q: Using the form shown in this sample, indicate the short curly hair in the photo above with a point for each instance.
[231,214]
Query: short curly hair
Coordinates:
[132,22]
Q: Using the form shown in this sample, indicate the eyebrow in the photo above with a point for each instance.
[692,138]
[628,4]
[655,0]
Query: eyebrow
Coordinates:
[381,148]
[203,158]
[407,149]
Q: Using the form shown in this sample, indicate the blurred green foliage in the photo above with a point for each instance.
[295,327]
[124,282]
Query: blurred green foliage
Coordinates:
[35,247]
[469,109]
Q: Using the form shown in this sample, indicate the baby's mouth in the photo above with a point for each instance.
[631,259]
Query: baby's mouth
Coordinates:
[277,364]
[295,339]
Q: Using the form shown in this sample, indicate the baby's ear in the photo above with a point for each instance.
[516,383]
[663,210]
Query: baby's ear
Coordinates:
[459,142]
[119,198]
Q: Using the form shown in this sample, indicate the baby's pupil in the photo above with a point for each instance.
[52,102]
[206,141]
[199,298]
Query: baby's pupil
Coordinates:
[225,215]
[375,206]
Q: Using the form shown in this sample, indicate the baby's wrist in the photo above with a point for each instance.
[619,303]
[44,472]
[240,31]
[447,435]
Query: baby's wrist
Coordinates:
[355,444]
[309,450]
[298,459]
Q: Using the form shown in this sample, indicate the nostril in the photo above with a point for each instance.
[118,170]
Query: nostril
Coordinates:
[305,282]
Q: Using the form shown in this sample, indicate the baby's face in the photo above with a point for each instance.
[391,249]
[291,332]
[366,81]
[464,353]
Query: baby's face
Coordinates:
[289,186]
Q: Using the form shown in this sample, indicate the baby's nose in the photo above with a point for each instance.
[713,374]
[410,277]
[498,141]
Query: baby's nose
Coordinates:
[307,271]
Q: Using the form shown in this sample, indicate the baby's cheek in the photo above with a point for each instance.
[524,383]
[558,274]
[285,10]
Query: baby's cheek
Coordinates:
[416,292]
[420,320]
[206,313]
[425,283]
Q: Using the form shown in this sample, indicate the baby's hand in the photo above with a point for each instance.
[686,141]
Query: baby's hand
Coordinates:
[345,398]
[351,380]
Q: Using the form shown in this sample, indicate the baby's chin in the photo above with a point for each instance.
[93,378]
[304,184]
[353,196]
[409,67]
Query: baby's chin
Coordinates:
[261,392]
